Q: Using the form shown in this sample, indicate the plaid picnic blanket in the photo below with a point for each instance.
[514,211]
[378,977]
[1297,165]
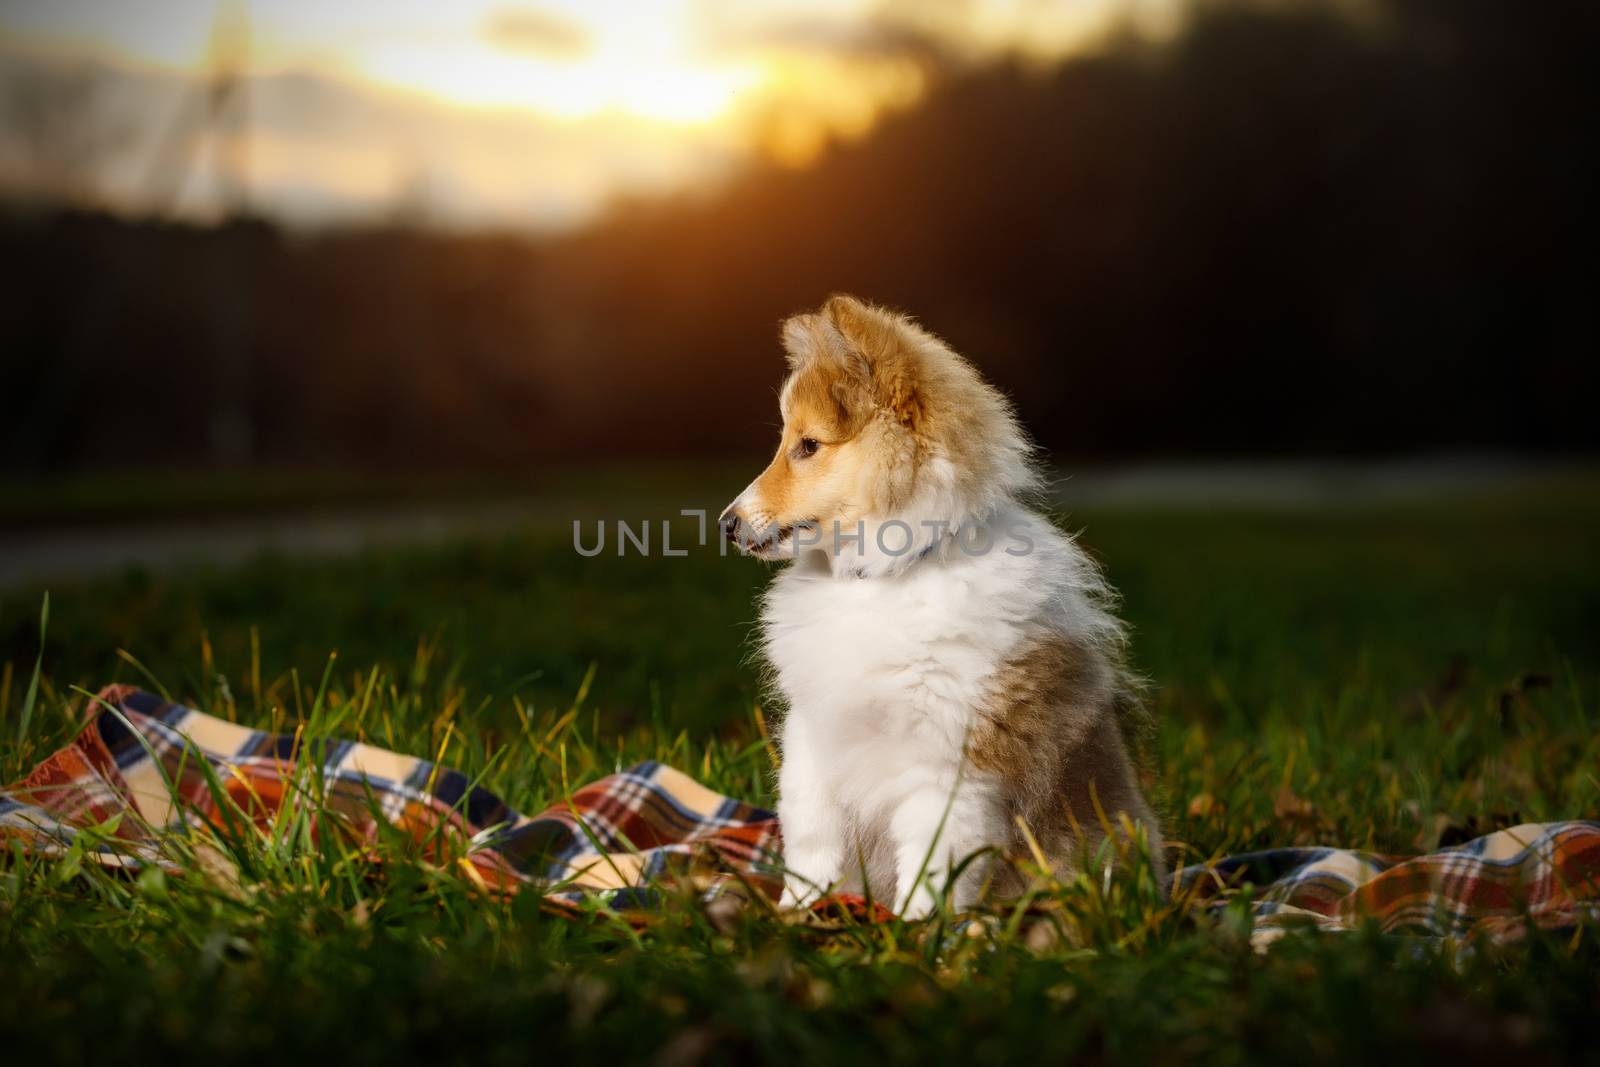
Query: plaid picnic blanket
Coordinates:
[143,767]
[1545,875]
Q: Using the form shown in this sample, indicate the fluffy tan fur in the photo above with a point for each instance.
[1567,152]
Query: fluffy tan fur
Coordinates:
[885,398]
[903,426]
[1056,728]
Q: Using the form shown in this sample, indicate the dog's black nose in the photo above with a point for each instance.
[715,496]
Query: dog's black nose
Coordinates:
[730,526]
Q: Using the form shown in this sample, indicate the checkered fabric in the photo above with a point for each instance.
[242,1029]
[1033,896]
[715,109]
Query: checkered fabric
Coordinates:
[1538,874]
[143,767]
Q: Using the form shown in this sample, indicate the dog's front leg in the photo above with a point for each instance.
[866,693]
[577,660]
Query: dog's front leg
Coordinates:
[939,824]
[813,824]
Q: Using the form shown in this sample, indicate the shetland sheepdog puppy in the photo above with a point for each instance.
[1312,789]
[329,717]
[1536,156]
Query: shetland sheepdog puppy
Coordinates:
[953,674]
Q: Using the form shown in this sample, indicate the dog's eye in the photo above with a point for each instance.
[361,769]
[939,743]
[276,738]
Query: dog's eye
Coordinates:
[808,447]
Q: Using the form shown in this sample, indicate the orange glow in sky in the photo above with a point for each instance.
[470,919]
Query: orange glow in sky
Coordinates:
[496,112]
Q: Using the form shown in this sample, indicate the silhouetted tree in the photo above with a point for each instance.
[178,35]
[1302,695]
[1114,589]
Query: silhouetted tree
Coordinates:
[1287,230]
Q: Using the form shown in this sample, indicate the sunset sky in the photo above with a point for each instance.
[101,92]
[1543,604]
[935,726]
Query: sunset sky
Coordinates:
[471,112]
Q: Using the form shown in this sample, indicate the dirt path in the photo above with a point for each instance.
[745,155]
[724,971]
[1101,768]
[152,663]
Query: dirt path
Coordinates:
[39,555]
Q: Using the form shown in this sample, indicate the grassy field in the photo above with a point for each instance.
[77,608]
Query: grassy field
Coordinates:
[1378,677]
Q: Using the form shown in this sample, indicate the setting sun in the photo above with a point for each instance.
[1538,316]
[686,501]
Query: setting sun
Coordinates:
[594,71]
[482,112]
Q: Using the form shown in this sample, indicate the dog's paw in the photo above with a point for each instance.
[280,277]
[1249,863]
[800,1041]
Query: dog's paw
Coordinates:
[922,904]
[798,893]
[808,874]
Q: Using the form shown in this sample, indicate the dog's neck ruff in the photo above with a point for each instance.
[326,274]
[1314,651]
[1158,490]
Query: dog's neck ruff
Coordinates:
[861,571]
[927,540]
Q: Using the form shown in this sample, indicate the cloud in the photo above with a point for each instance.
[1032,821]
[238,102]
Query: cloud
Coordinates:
[537,33]
[852,39]
[326,150]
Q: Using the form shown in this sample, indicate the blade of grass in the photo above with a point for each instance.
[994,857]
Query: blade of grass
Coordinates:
[33,682]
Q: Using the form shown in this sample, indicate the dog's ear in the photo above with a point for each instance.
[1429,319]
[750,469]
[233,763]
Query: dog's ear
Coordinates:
[879,338]
[840,382]
[808,338]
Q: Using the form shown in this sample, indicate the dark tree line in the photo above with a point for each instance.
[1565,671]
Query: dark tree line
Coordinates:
[1286,231]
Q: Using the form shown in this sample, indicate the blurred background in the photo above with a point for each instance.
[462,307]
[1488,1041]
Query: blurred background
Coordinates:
[321,323]
[499,236]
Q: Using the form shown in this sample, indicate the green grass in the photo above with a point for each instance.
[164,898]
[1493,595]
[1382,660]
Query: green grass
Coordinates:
[1374,677]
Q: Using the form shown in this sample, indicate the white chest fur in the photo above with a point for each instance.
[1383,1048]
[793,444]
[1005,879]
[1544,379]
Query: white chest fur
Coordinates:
[907,648]
[900,655]
[884,678]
